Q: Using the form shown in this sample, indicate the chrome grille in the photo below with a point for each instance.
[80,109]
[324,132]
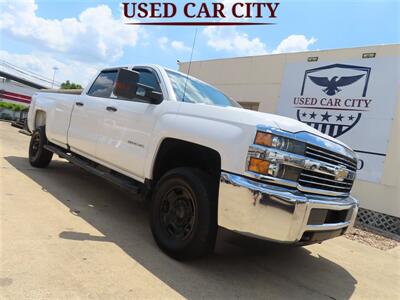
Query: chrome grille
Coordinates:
[326,182]
[330,157]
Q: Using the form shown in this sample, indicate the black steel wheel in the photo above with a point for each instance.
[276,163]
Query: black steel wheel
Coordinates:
[178,213]
[39,157]
[184,213]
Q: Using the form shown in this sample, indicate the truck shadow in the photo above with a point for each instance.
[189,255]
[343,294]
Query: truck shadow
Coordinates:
[240,268]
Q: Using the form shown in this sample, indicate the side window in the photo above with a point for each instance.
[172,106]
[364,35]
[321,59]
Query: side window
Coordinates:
[148,78]
[103,85]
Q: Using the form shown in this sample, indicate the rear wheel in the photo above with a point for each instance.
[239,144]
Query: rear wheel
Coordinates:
[39,157]
[184,213]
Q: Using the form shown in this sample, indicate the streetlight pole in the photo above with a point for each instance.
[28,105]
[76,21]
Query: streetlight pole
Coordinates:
[54,76]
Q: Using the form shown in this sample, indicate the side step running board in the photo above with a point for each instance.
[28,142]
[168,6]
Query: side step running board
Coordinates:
[23,131]
[116,178]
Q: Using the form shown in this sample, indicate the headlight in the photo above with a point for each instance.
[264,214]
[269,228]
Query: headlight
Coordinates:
[270,168]
[279,142]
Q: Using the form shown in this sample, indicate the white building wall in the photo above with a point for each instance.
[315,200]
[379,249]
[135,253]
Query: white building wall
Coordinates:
[258,79]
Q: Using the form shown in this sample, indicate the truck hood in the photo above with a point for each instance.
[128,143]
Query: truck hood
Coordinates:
[252,118]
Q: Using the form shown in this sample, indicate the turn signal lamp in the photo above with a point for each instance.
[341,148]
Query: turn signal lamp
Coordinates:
[258,165]
[263,139]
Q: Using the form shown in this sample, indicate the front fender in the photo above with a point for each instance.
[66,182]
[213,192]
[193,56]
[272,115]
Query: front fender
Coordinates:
[230,140]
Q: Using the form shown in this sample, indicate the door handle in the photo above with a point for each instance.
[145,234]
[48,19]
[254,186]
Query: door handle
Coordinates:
[79,103]
[111,108]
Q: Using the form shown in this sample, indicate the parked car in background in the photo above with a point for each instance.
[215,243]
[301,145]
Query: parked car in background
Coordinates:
[21,119]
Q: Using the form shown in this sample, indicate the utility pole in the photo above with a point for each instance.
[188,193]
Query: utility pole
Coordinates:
[54,76]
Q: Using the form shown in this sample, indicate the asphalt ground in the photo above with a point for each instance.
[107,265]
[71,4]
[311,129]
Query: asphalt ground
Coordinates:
[67,234]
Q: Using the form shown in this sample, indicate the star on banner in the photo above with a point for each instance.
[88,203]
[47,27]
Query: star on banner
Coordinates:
[326,116]
[339,117]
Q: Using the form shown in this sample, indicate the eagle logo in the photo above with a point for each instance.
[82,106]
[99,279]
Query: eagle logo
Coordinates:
[334,120]
[331,87]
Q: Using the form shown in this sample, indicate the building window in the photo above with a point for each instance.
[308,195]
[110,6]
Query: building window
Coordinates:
[250,105]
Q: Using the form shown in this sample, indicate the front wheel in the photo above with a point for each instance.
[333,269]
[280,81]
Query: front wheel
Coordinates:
[39,157]
[184,213]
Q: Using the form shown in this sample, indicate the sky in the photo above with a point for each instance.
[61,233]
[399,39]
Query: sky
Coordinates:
[80,37]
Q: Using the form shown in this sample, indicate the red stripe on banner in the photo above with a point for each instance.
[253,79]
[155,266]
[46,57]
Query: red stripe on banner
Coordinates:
[15,95]
[201,23]
[15,99]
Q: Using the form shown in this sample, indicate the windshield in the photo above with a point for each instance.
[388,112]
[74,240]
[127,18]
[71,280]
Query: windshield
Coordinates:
[197,91]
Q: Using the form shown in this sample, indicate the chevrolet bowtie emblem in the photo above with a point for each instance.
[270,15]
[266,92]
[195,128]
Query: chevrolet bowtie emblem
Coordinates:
[341,173]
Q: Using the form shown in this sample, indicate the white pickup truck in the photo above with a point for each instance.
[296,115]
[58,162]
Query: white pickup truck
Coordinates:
[201,159]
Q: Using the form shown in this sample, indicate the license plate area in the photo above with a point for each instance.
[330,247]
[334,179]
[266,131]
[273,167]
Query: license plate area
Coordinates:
[318,236]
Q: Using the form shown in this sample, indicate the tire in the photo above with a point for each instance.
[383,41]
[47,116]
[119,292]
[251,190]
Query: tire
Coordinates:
[39,157]
[184,213]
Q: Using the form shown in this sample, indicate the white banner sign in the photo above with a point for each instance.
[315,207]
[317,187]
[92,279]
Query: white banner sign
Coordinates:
[353,101]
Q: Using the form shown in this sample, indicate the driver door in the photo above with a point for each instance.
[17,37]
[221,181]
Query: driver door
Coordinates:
[127,129]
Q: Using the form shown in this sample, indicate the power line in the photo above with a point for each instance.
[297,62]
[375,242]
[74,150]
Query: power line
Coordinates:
[21,70]
[27,72]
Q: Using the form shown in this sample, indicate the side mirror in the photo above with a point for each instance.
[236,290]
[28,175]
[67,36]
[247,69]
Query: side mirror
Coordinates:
[155,97]
[126,84]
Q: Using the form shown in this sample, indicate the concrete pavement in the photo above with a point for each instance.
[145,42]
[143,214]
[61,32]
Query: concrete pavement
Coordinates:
[68,234]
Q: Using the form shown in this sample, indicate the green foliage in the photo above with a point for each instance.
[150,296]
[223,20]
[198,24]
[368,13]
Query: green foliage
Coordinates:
[12,106]
[70,86]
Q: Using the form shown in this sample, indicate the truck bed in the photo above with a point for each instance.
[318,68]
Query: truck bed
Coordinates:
[63,91]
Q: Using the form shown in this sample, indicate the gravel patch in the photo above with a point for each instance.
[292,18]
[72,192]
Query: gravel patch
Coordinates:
[373,238]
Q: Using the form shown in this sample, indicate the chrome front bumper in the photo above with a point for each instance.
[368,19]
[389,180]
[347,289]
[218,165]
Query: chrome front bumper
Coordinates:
[280,214]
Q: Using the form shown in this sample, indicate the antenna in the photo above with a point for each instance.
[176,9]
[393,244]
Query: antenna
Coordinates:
[190,64]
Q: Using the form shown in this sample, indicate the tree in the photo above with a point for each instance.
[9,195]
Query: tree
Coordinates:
[70,86]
